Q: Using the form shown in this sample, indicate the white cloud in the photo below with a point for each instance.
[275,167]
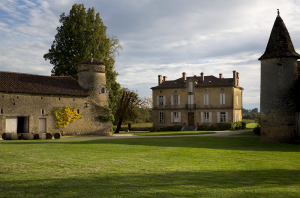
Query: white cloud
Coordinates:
[159,37]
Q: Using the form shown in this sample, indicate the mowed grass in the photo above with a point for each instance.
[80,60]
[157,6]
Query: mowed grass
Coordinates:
[150,167]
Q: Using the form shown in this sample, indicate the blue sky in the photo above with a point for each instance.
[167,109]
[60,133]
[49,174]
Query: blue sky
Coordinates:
[159,37]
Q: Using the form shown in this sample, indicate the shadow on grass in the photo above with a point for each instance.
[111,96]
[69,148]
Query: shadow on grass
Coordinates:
[224,143]
[259,183]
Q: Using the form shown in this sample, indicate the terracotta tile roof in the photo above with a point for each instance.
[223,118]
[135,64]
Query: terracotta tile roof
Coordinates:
[280,43]
[37,84]
[91,61]
[209,81]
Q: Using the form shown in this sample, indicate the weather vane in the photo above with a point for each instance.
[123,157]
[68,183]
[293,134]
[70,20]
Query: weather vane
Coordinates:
[278,11]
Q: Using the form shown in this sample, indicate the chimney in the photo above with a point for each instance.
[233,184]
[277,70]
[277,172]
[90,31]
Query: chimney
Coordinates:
[220,75]
[165,78]
[234,77]
[159,79]
[238,79]
[184,76]
[202,76]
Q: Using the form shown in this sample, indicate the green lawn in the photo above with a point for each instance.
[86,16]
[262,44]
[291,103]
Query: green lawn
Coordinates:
[150,167]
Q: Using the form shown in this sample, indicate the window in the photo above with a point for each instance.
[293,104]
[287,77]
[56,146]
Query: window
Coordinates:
[206,117]
[160,91]
[206,99]
[205,90]
[190,86]
[102,90]
[175,117]
[223,117]
[237,100]
[222,90]
[191,101]
[161,117]
[77,110]
[175,100]
[175,91]
[43,111]
[1,111]
[222,99]
[161,100]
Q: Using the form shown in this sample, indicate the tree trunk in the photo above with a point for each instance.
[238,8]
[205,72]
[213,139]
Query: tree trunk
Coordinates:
[123,110]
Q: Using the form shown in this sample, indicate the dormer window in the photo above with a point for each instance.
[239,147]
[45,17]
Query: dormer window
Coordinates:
[175,91]
[160,92]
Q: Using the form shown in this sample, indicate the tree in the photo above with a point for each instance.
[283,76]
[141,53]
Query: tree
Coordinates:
[128,107]
[81,36]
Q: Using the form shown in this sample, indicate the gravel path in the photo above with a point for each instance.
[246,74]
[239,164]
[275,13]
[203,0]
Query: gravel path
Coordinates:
[130,135]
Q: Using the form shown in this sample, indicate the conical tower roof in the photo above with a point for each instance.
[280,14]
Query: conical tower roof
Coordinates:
[280,43]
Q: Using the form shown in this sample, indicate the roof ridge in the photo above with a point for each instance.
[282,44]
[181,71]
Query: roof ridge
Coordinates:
[33,74]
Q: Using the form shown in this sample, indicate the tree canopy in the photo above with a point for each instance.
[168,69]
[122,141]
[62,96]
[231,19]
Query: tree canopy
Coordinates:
[81,36]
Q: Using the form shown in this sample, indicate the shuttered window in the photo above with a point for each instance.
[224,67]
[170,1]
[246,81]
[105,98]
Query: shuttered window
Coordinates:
[206,99]
[222,99]
[161,117]
[175,117]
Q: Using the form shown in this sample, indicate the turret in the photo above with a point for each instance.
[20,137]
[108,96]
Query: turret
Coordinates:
[279,77]
[92,78]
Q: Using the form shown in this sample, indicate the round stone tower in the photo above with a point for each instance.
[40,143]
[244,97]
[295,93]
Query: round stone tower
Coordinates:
[92,78]
[279,86]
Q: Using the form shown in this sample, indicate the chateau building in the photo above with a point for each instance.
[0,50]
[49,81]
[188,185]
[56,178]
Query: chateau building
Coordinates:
[27,101]
[197,100]
[279,99]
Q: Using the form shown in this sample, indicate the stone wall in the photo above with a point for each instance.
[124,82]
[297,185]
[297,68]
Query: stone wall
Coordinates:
[31,105]
[278,102]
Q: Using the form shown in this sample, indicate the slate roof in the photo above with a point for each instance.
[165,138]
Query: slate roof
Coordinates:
[209,81]
[37,84]
[91,61]
[280,43]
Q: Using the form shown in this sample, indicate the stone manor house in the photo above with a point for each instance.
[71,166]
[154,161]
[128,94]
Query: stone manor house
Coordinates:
[197,100]
[27,100]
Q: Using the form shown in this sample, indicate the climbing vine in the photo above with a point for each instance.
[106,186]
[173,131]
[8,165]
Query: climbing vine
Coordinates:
[107,117]
[65,115]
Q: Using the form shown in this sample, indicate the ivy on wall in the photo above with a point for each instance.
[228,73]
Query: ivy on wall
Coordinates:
[65,115]
[107,117]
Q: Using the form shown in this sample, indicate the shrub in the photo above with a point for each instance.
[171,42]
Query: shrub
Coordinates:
[256,130]
[152,129]
[202,128]
[244,123]
[238,125]
[107,117]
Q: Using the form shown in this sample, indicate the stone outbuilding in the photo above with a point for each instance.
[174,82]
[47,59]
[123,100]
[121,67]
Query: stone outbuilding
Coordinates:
[27,101]
[279,99]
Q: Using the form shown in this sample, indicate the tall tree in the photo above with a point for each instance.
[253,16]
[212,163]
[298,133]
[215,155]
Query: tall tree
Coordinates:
[81,36]
[128,107]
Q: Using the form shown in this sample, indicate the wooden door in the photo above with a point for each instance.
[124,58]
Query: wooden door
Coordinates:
[191,118]
[298,123]
[11,125]
[42,125]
